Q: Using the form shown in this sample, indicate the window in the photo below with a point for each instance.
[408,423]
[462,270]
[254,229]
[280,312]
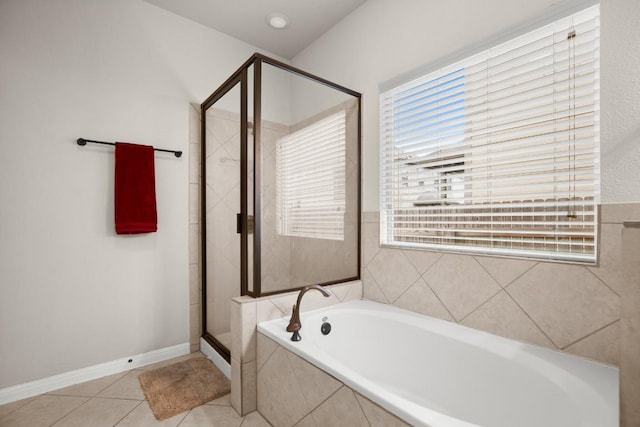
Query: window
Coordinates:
[499,153]
[310,180]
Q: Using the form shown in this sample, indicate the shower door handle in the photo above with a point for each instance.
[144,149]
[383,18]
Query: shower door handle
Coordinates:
[250,224]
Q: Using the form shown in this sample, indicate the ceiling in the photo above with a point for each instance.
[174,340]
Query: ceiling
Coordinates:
[246,19]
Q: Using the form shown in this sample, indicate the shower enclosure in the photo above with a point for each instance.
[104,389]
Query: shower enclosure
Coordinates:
[280,200]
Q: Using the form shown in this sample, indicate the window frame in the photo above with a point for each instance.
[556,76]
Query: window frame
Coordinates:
[387,225]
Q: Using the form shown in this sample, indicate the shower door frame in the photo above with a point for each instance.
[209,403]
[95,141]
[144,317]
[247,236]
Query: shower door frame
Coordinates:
[257,60]
[240,76]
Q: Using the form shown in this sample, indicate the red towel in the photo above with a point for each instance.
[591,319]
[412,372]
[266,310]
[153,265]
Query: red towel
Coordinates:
[135,189]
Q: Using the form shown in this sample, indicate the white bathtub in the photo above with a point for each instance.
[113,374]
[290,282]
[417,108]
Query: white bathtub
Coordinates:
[435,373]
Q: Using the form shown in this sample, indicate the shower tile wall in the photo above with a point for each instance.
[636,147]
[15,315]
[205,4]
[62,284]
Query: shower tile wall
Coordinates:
[222,204]
[278,262]
[562,306]
[224,251]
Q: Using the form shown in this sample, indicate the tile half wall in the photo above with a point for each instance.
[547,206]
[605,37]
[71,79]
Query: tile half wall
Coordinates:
[291,391]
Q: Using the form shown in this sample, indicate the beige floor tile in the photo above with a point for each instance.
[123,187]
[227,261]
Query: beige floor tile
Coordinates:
[98,412]
[89,388]
[307,421]
[143,417]
[42,411]
[254,419]
[212,415]
[8,408]
[221,401]
[118,395]
[127,387]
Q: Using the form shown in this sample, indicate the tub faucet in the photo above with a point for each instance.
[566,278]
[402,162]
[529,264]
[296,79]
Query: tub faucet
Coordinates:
[294,323]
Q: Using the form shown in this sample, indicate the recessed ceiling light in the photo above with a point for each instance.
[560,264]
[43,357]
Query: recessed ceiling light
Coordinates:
[277,20]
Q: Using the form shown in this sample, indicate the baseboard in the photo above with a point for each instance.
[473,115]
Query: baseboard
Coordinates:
[215,357]
[45,385]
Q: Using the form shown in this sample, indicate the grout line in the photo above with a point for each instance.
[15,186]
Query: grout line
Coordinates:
[265,419]
[482,304]
[115,398]
[375,283]
[323,402]
[256,411]
[439,300]
[186,414]
[268,358]
[530,318]
[72,411]
[355,396]
[602,281]
[124,374]
[407,290]
[535,264]
[414,265]
[288,354]
[127,414]
[513,280]
[485,270]
[589,334]
[433,264]
[292,370]
[380,288]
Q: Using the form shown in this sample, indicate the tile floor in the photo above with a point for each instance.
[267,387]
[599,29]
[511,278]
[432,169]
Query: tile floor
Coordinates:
[116,400]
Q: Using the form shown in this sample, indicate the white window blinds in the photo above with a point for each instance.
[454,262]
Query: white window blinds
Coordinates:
[499,153]
[310,180]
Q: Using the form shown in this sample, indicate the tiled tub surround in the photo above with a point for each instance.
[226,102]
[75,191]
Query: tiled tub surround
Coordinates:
[247,312]
[427,371]
[291,391]
[591,311]
[562,306]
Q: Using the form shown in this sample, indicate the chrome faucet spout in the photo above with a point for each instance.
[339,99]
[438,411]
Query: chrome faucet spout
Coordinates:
[294,324]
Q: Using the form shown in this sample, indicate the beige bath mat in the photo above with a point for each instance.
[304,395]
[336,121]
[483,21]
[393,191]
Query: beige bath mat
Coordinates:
[182,386]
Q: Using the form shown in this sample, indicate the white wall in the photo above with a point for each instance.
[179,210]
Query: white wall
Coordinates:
[620,100]
[383,40]
[72,293]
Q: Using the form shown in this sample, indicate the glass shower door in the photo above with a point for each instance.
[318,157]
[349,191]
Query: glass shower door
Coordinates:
[225,259]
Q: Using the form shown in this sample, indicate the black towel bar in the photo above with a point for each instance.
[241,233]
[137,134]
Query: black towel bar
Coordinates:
[83,141]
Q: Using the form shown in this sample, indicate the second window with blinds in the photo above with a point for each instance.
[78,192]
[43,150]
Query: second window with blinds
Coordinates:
[499,153]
